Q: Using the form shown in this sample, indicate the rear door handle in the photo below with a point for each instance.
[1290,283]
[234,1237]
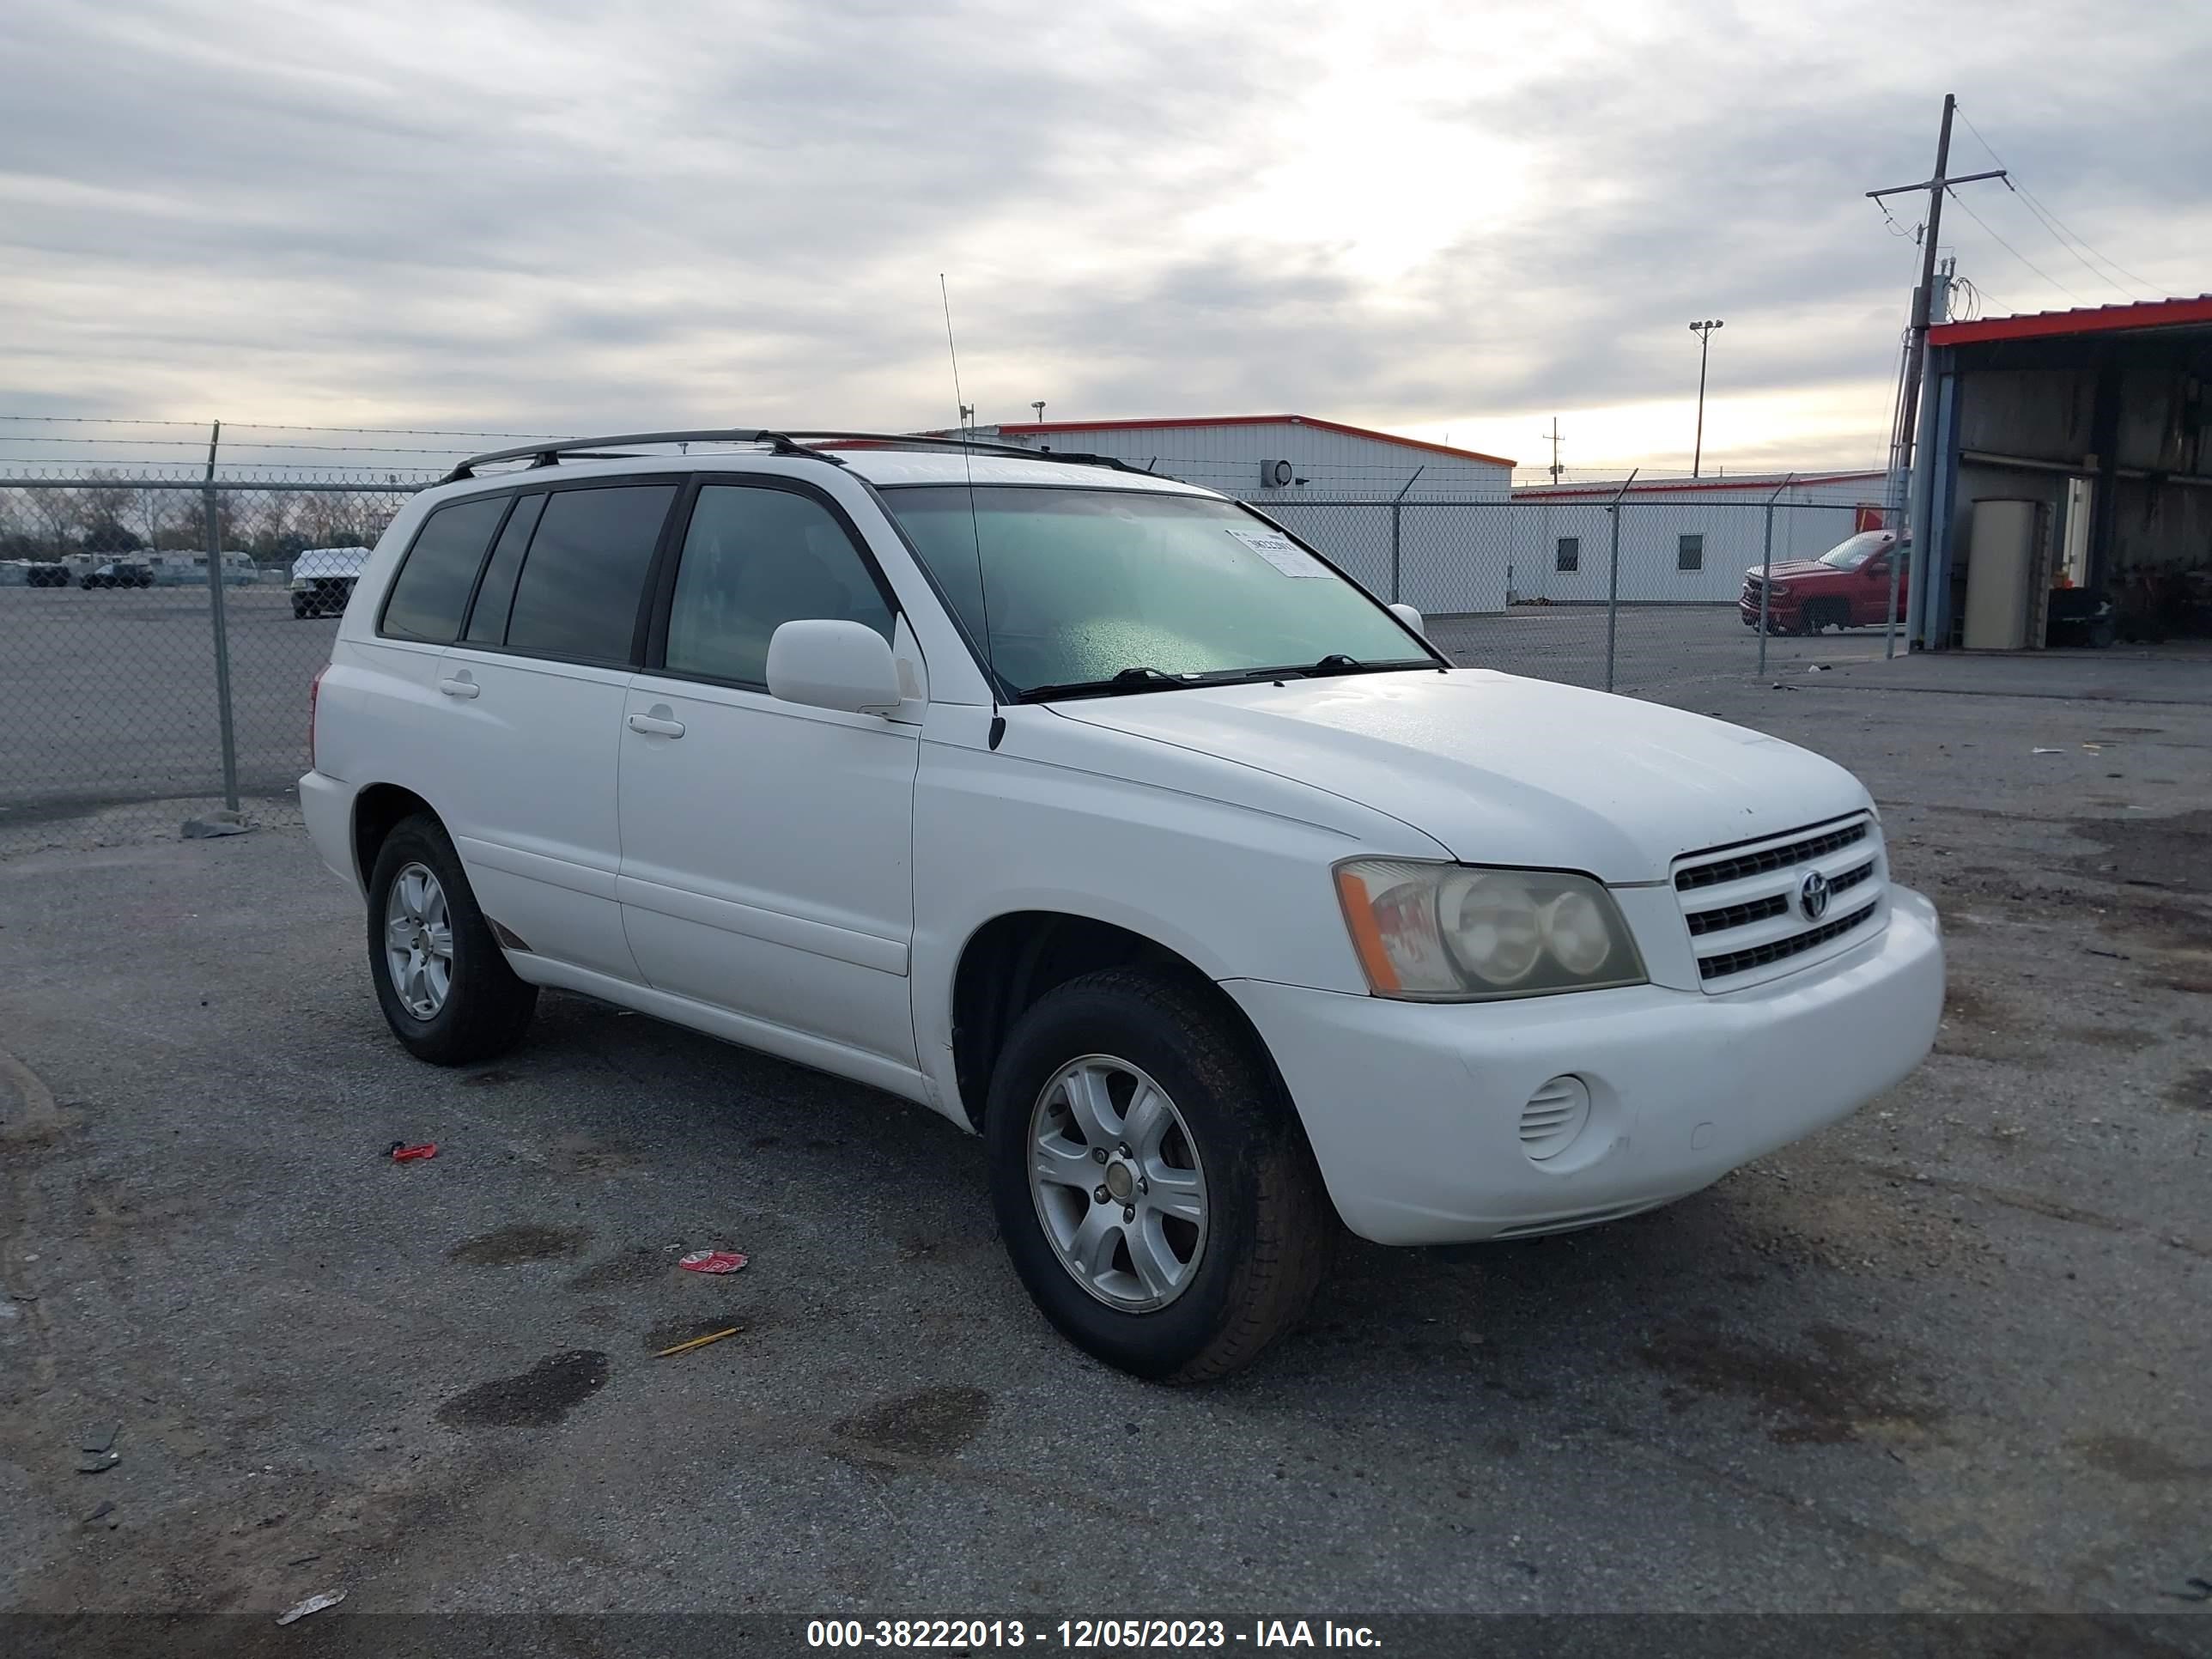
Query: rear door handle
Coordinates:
[463,687]
[656,725]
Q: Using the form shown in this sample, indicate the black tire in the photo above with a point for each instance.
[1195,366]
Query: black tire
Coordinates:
[1270,1227]
[300,611]
[487,1008]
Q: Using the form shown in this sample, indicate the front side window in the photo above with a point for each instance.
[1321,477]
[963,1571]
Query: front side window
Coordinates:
[1570,552]
[1092,591]
[1690,553]
[432,588]
[578,591]
[755,558]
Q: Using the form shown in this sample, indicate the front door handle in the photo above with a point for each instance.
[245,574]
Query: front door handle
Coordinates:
[659,723]
[463,687]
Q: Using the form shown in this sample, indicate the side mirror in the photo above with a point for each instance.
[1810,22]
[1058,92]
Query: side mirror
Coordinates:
[844,666]
[1411,619]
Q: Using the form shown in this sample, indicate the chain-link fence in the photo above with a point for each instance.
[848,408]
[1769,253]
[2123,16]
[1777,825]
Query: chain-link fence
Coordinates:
[158,634]
[1640,597]
[155,651]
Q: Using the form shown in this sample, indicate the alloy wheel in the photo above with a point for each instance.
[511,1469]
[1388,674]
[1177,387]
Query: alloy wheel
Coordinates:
[1118,1184]
[419,941]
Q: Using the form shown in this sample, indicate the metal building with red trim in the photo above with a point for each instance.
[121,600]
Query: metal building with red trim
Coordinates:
[2089,427]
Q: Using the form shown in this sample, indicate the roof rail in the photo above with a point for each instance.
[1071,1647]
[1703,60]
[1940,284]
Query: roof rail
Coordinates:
[936,440]
[550,451]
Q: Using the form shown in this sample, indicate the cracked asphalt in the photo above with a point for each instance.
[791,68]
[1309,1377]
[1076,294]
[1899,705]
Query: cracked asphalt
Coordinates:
[1948,1356]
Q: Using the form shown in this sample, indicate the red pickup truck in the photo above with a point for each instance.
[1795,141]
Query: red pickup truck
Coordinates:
[1847,587]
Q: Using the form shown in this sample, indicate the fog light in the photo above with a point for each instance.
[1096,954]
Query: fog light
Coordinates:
[1554,1116]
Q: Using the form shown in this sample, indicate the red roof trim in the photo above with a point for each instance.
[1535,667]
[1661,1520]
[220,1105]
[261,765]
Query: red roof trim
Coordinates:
[1545,492]
[2089,319]
[1032,428]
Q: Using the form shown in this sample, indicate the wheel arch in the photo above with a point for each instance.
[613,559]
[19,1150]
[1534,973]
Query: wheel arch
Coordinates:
[377,810]
[1011,961]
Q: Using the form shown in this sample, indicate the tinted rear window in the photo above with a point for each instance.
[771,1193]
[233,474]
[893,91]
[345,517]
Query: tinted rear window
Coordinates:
[495,594]
[432,588]
[585,572]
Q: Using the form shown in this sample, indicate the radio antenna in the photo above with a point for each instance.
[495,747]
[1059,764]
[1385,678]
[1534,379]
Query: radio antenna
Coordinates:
[974,526]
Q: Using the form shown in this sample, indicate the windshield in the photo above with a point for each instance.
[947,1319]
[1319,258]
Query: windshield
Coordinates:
[1850,554]
[1085,584]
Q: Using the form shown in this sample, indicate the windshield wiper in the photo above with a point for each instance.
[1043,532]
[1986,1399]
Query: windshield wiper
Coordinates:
[1113,685]
[1152,679]
[1335,663]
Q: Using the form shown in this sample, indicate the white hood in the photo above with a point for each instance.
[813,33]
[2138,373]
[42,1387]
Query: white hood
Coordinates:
[1504,770]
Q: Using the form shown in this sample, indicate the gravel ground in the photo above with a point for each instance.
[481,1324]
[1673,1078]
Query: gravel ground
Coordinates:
[1948,1356]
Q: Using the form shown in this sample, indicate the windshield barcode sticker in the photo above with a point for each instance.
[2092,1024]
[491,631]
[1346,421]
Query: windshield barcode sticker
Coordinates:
[1285,555]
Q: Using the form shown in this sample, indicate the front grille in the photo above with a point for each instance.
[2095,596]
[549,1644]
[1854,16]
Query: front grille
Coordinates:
[1748,915]
[1850,879]
[1742,962]
[1771,857]
[1735,915]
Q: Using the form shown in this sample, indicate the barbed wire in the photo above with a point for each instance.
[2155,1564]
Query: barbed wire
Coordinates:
[272,426]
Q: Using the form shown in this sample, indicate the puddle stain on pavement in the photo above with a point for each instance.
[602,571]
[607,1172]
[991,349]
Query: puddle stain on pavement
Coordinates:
[544,1394]
[512,1246]
[1823,1399]
[926,1423]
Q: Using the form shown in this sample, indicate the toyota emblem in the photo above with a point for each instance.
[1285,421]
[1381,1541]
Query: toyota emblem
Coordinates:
[1812,896]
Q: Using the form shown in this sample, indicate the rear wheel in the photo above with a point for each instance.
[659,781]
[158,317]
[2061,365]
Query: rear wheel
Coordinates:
[1154,1189]
[445,990]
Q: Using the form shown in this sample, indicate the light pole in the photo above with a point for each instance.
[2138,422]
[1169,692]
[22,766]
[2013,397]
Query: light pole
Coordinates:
[1704,332]
[1039,406]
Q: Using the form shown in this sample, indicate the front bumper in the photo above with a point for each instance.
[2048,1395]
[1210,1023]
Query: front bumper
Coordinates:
[1779,611]
[1413,1109]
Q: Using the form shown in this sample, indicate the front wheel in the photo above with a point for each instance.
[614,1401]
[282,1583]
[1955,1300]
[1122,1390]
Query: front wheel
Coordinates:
[1156,1192]
[447,992]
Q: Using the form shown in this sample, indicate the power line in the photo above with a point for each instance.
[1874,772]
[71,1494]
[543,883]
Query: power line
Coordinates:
[2016,253]
[2061,233]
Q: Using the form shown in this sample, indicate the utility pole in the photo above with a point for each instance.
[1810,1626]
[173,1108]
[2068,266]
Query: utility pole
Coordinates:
[1924,296]
[1556,468]
[1704,332]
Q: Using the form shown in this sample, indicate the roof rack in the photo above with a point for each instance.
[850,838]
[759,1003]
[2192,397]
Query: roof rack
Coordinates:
[551,452]
[936,440]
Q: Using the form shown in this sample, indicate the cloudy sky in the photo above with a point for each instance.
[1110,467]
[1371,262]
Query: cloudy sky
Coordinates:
[1456,219]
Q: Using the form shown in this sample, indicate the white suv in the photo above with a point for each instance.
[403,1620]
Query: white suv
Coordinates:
[1097,813]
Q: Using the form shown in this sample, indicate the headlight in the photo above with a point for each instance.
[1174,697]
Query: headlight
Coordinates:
[1777,588]
[1449,933]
